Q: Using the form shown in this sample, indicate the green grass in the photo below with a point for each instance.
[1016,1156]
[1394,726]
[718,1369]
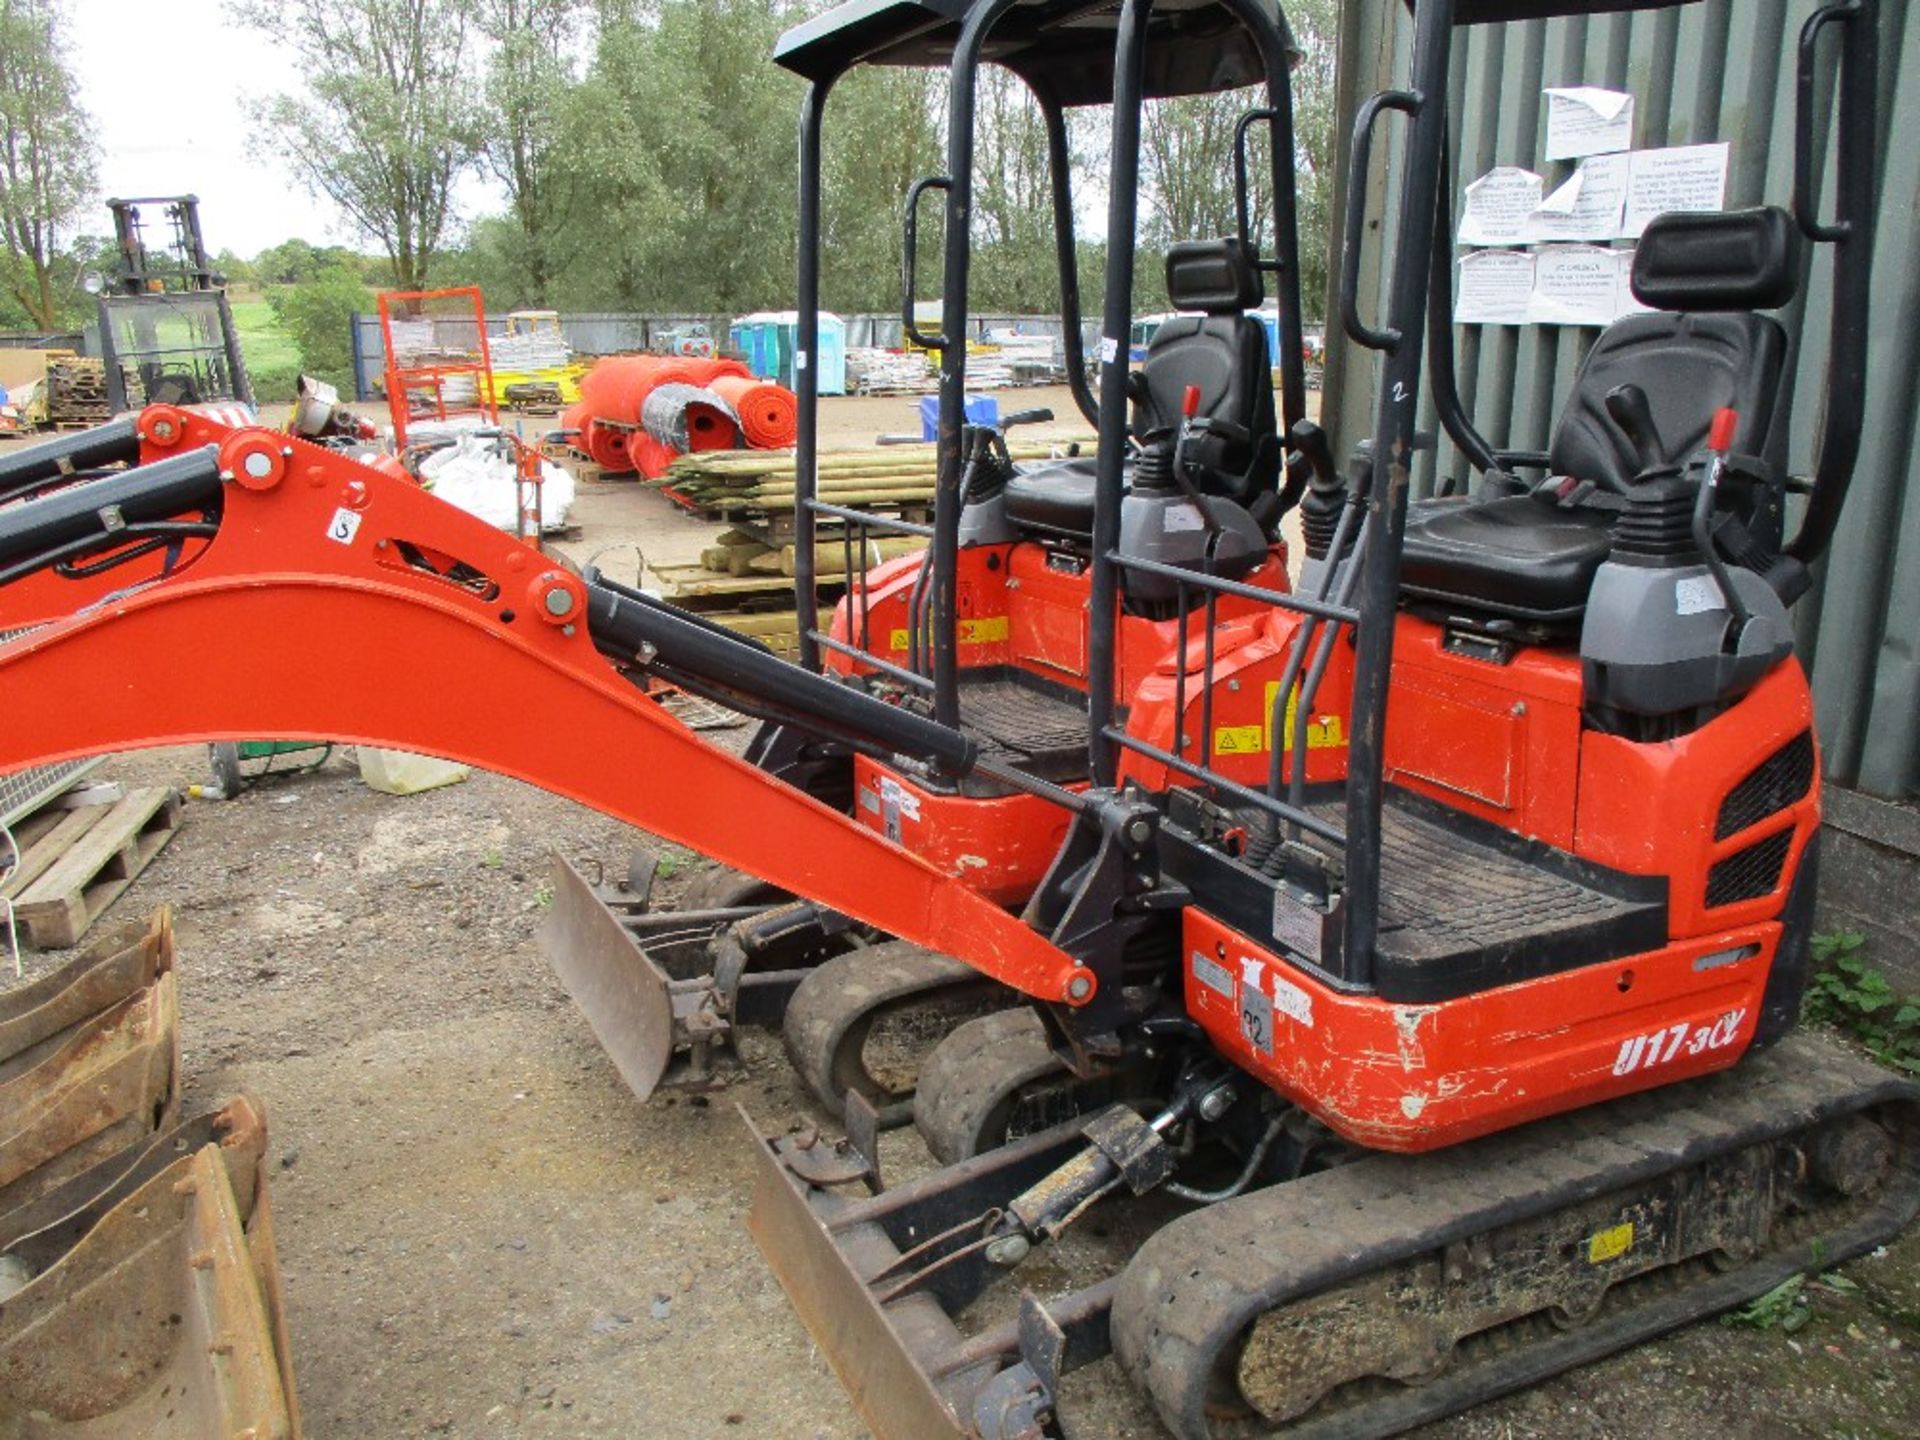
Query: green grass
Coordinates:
[264,344]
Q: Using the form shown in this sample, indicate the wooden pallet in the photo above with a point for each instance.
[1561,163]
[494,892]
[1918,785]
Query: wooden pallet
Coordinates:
[80,864]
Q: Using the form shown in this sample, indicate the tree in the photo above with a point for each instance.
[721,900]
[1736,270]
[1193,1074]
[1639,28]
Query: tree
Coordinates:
[528,75]
[47,157]
[680,175]
[318,315]
[883,131]
[387,125]
[1186,154]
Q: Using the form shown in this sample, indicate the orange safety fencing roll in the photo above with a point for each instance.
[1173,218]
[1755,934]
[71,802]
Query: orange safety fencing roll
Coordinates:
[769,414]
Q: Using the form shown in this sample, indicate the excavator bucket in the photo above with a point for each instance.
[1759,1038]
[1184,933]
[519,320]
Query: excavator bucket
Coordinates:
[89,1060]
[154,1306]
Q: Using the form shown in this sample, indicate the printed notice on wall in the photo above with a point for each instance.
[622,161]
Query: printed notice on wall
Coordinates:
[1575,285]
[1585,120]
[1679,178]
[1496,288]
[1588,206]
[1498,206]
[1629,303]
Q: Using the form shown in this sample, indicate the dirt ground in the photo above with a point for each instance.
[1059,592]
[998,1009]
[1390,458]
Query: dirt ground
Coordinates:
[484,1234]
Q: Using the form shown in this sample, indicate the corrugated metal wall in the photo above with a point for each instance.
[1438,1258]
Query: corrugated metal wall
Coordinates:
[1719,70]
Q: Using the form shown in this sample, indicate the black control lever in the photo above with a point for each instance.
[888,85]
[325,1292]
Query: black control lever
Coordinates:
[1628,406]
[1026,417]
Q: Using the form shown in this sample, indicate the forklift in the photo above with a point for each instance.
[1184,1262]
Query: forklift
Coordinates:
[166,330]
[1400,1009]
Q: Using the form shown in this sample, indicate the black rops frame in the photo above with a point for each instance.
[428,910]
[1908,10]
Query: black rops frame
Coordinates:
[1062,68]
[1420,276]
[1421,273]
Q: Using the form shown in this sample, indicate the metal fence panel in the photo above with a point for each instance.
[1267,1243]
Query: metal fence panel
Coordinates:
[1721,70]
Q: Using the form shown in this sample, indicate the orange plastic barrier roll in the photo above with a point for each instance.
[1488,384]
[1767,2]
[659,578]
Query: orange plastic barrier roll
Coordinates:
[607,447]
[769,414]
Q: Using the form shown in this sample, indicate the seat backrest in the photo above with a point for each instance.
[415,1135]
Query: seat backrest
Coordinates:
[1223,351]
[1702,349]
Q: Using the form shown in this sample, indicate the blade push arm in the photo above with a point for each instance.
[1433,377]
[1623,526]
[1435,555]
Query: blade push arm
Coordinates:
[337,603]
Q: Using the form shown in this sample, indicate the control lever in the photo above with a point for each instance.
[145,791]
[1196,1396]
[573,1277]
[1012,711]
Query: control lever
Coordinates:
[1719,445]
[1628,406]
[1025,417]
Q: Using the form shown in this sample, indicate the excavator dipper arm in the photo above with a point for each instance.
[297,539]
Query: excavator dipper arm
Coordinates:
[315,598]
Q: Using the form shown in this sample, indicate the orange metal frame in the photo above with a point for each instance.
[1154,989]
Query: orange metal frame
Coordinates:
[304,618]
[405,381]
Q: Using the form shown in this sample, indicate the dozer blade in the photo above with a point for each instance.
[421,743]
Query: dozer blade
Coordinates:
[906,1366]
[164,1318]
[627,999]
[87,1091]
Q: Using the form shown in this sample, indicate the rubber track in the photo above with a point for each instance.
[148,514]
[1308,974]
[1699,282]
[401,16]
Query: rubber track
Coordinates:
[720,887]
[972,1072]
[1196,1286]
[833,1006]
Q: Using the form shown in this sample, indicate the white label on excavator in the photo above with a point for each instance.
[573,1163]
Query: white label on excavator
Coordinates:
[1293,1002]
[344,525]
[1696,595]
[1109,350]
[1176,518]
[1214,976]
[1296,926]
[896,797]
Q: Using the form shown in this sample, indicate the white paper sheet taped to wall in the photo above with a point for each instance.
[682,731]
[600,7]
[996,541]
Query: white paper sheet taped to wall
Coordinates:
[1588,206]
[1499,205]
[1495,288]
[1586,120]
[1575,285]
[1679,178]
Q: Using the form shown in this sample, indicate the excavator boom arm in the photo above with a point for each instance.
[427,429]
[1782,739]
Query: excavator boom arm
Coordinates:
[325,600]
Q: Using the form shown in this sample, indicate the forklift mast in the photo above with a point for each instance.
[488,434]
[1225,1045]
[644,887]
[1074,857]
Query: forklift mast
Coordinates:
[167,333]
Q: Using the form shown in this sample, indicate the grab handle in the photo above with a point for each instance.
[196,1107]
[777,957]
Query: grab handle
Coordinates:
[1806,200]
[909,257]
[1362,164]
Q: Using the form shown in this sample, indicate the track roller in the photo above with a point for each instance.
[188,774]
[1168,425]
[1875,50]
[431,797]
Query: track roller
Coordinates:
[864,1020]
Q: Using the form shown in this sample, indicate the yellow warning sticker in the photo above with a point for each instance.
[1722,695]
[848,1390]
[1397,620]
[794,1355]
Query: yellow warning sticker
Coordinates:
[1239,740]
[1610,1244]
[988,630]
[1324,733]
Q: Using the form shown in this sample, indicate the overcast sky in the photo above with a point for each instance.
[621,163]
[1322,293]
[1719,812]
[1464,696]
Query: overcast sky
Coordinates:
[167,86]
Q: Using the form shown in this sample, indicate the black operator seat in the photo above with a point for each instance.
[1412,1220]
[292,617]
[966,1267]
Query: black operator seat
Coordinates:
[1223,351]
[1532,556]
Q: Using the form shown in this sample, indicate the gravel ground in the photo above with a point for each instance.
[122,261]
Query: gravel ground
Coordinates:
[484,1234]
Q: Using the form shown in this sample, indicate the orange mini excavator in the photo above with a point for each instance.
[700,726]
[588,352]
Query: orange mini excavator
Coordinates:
[1400,961]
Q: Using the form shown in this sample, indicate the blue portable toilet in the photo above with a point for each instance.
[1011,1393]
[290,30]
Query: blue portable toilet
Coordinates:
[981,410]
[832,356]
[1270,322]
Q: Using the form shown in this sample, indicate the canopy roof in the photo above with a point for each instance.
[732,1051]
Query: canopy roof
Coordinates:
[1062,48]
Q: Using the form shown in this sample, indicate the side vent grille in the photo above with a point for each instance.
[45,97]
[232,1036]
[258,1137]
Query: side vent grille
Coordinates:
[1750,873]
[1782,779]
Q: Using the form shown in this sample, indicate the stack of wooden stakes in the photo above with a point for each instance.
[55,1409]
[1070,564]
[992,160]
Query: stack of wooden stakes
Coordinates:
[889,477]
